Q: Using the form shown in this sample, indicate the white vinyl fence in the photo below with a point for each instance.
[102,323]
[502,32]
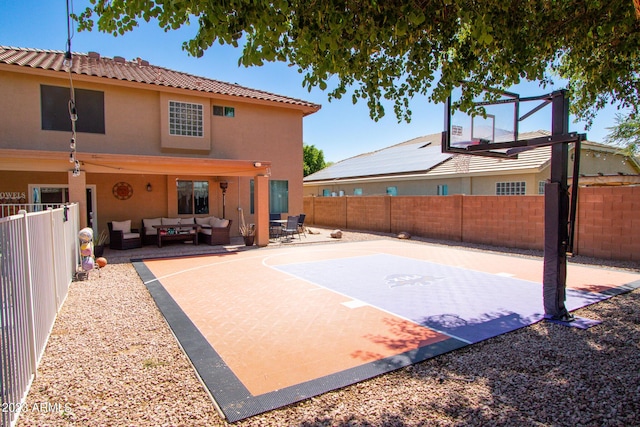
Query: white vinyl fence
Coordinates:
[14,208]
[38,259]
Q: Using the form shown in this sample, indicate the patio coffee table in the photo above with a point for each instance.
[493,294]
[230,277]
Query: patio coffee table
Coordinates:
[177,232]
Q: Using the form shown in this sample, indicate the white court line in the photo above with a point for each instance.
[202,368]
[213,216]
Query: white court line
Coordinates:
[505,274]
[198,267]
[355,304]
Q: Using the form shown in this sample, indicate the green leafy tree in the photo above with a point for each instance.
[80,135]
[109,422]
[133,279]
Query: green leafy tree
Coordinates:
[626,134]
[313,159]
[397,49]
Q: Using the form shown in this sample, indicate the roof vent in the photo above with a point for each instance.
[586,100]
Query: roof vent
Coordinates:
[141,62]
[94,55]
[119,59]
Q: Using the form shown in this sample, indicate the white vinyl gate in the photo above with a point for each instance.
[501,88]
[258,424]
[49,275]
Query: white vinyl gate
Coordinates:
[38,261]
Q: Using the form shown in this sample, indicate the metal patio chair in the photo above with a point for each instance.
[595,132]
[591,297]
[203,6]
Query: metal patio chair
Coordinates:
[275,226]
[291,227]
[301,224]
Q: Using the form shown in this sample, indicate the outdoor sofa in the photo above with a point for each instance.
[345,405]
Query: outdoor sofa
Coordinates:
[209,230]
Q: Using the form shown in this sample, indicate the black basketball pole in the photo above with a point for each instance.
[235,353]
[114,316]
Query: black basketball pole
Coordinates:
[556,216]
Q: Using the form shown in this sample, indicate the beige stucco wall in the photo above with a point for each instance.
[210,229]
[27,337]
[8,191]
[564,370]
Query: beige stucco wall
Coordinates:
[19,181]
[592,163]
[263,133]
[486,185]
[21,98]
[377,188]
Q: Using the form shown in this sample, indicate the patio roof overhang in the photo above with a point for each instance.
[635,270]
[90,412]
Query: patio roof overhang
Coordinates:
[57,161]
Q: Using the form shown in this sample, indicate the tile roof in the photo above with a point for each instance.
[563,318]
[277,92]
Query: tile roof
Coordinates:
[139,71]
[534,159]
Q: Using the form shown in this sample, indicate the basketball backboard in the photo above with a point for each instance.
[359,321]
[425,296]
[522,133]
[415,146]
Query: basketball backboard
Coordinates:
[493,126]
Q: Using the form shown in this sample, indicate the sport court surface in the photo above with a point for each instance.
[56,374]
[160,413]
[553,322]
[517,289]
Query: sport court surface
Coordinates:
[266,328]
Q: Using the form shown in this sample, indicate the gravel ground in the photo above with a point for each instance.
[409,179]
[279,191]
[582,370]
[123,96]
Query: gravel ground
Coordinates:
[111,360]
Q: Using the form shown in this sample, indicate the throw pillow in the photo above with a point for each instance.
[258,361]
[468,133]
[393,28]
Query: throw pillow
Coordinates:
[204,220]
[124,226]
[148,224]
[170,221]
[219,223]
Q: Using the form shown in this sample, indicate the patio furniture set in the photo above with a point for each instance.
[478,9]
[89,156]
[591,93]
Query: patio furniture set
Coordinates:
[209,230]
[285,229]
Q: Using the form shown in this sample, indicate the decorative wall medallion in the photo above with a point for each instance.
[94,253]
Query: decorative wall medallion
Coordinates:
[122,190]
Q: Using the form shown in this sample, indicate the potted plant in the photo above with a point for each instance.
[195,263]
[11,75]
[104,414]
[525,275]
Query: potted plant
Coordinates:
[248,231]
[98,247]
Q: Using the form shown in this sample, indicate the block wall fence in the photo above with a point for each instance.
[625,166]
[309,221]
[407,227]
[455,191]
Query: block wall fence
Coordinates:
[607,224]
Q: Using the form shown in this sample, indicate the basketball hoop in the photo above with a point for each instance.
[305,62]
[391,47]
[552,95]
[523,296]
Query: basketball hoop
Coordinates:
[461,162]
[495,133]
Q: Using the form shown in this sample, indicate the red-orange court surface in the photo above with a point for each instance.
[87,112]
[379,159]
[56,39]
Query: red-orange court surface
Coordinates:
[269,327]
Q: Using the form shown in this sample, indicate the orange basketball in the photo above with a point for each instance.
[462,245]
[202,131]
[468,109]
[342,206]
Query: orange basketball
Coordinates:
[101,262]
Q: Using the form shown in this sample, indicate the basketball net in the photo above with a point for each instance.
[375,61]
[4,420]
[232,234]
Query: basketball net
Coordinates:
[461,162]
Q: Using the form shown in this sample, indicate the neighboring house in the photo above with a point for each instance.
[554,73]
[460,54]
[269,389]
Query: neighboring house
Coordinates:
[151,141]
[418,167]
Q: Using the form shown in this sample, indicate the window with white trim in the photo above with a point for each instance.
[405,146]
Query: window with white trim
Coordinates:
[185,119]
[517,188]
[541,187]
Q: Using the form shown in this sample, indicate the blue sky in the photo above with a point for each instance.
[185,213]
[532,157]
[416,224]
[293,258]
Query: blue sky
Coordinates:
[340,128]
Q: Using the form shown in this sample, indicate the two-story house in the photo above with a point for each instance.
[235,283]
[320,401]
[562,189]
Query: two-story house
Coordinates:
[148,141]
